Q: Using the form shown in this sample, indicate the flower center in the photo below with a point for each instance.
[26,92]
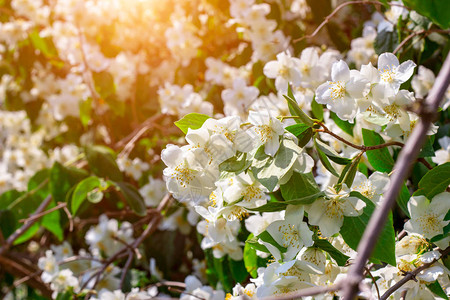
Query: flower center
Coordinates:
[334,208]
[430,224]
[289,235]
[337,90]
[387,75]
[183,174]
[265,132]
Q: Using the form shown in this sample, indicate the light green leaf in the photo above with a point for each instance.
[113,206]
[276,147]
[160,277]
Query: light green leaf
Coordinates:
[192,121]
[331,153]
[82,190]
[250,259]
[268,170]
[436,10]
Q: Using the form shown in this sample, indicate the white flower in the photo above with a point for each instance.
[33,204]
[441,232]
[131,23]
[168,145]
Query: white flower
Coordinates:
[341,93]
[63,280]
[392,75]
[239,98]
[427,218]
[372,187]
[185,177]
[423,81]
[48,265]
[328,213]
[285,70]
[291,233]
[153,191]
[443,155]
[267,129]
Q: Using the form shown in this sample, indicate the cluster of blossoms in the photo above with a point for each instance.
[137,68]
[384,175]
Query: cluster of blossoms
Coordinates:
[253,177]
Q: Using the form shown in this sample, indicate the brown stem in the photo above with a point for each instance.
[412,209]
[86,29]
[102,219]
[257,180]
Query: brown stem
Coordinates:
[338,8]
[306,292]
[411,275]
[37,216]
[13,237]
[402,167]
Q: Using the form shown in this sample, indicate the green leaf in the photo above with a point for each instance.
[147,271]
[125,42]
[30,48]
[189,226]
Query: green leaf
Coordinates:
[436,10]
[299,185]
[253,242]
[346,126]
[403,199]
[8,222]
[349,172]
[281,205]
[298,129]
[331,153]
[296,110]
[437,289]
[28,234]
[341,259]
[268,170]
[435,181]
[104,84]
[133,198]
[325,162]
[266,237]
[62,179]
[250,259]
[317,109]
[52,223]
[238,270]
[85,111]
[353,229]
[102,163]
[222,269]
[386,41]
[235,164]
[427,149]
[192,121]
[380,159]
[45,45]
[81,191]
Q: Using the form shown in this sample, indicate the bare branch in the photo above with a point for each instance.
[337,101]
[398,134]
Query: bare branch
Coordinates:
[317,290]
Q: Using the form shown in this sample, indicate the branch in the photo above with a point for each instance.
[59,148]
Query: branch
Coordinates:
[338,8]
[307,292]
[404,163]
[411,275]
[362,147]
[13,237]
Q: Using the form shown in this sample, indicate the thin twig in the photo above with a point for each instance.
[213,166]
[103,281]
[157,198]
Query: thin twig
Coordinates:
[335,11]
[48,211]
[13,237]
[402,167]
[126,267]
[359,147]
[411,275]
[306,292]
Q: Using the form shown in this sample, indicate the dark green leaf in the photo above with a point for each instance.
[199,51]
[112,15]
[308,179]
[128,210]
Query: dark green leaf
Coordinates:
[133,198]
[435,181]
[266,237]
[386,41]
[349,172]
[380,159]
[331,153]
[403,199]
[104,84]
[281,205]
[192,121]
[353,229]
[102,163]
[346,126]
[238,270]
[325,162]
[8,222]
[298,129]
[437,289]
[341,259]
[296,110]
